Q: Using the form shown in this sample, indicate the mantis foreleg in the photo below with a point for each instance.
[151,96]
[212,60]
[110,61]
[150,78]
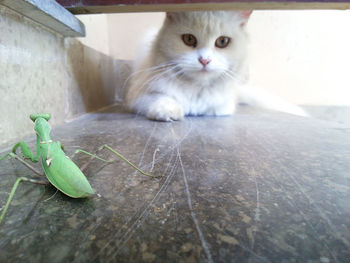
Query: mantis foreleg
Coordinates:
[14,188]
[27,153]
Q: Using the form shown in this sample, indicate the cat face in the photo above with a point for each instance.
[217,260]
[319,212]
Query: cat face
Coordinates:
[204,45]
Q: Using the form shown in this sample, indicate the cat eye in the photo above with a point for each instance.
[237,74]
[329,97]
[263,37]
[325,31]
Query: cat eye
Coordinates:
[222,42]
[189,40]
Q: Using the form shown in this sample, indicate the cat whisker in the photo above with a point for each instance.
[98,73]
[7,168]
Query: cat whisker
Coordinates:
[177,74]
[234,76]
[188,66]
[158,67]
[156,77]
[233,73]
[153,69]
[173,72]
[163,65]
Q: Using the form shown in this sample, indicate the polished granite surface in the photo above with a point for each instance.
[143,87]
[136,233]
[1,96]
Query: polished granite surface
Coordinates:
[255,187]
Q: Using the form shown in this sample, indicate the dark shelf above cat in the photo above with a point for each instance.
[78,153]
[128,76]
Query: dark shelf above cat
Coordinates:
[119,6]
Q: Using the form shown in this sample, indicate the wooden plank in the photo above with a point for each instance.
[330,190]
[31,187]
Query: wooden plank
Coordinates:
[49,14]
[119,6]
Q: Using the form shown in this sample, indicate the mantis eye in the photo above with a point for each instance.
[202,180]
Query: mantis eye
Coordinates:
[222,42]
[189,40]
[46,116]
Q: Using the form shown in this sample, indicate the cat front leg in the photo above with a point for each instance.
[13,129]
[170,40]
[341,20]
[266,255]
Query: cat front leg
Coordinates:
[165,108]
[158,107]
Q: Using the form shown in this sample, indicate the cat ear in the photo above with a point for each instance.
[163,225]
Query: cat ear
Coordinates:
[245,15]
[170,15]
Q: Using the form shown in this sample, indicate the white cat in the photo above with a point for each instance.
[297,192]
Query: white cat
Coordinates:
[197,66]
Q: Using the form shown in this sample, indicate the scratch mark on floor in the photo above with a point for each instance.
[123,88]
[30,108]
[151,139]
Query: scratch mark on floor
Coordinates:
[176,217]
[257,209]
[251,252]
[51,196]
[171,147]
[146,145]
[128,234]
[177,142]
[315,234]
[193,215]
[142,215]
[154,157]
[320,212]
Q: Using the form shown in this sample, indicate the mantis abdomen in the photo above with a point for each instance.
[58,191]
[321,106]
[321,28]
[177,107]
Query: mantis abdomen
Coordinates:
[64,174]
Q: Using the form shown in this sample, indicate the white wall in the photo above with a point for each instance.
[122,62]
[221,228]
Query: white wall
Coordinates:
[97,36]
[126,32]
[302,56]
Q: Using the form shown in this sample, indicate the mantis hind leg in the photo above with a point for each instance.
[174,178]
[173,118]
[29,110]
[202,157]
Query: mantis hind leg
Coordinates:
[105,161]
[15,156]
[92,156]
[4,156]
[127,161]
[13,190]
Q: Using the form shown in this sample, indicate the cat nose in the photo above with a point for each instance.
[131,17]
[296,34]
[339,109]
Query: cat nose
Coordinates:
[204,61]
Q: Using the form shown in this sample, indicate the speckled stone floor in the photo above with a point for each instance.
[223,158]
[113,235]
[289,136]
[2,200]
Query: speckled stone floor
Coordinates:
[255,187]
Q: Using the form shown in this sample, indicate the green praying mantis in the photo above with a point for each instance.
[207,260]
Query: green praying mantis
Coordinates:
[59,169]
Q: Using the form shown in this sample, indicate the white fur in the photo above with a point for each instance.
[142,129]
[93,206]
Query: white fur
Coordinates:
[262,99]
[169,82]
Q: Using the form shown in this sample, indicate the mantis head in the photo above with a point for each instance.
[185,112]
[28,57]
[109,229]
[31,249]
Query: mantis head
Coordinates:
[46,116]
[41,126]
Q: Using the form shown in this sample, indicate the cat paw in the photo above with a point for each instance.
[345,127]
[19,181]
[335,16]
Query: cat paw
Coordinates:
[165,110]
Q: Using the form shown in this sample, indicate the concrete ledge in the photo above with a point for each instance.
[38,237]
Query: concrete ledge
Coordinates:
[49,14]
